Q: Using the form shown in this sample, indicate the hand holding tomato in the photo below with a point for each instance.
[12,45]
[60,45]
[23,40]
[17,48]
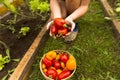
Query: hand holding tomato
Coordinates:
[60,27]
[70,22]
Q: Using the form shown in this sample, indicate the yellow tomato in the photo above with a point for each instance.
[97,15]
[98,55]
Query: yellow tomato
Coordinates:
[45,70]
[71,64]
[53,68]
[43,66]
[57,56]
[59,71]
[51,55]
[62,65]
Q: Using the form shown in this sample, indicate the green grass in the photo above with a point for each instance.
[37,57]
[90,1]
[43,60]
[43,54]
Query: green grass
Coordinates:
[95,49]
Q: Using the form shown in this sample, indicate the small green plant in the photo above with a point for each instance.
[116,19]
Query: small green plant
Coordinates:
[36,5]
[8,74]
[117,8]
[24,30]
[9,6]
[4,60]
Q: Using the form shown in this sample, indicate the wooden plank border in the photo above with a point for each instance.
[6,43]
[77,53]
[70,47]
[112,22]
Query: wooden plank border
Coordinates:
[26,62]
[109,11]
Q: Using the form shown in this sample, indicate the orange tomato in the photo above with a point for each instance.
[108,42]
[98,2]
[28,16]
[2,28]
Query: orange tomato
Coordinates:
[71,57]
[71,64]
[51,55]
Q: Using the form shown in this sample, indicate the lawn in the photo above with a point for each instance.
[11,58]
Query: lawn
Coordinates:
[96,49]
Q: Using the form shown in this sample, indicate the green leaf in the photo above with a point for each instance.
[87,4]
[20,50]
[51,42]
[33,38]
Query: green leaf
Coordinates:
[10,71]
[5,77]
[8,52]
[1,1]
[24,30]
[17,60]
[1,67]
[10,6]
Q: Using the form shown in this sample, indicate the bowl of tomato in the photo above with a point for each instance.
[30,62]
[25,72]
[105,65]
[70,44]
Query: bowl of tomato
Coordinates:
[57,65]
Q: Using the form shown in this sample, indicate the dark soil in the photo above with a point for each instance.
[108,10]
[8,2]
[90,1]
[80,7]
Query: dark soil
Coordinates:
[18,46]
[111,2]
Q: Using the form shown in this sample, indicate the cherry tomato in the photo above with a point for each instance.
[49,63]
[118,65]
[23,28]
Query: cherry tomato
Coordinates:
[59,22]
[63,31]
[56,64]
[59,71]
[43,66]
[62,65]
[52,73]
[57,57]
[51,55]
[53,30]
[47,62]
[64,74]
[45,70]
[64,57]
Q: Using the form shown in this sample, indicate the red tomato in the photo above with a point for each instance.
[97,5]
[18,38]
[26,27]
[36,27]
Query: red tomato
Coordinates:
[64,57]
[47,62]
[59,22]
[53,29]
[63,31]
[56,64]
[64,74]
[52,73]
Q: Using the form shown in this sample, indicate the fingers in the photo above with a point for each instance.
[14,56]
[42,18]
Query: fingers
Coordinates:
[50,33]
[49,24]
[70,22]
[73,25]
[68,34]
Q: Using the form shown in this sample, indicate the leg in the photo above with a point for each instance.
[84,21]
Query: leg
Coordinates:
[72,5]
[63,9]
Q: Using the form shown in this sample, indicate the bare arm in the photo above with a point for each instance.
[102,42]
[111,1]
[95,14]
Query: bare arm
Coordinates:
[55,8]
[80,11]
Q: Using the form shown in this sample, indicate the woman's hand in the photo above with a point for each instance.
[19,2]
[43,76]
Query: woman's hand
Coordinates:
[48,27]
[69,21]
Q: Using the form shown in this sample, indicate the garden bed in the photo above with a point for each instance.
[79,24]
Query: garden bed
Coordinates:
[109,7]
[18,46]
[17,41]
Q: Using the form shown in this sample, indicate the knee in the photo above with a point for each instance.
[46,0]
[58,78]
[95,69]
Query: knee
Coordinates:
[64,14]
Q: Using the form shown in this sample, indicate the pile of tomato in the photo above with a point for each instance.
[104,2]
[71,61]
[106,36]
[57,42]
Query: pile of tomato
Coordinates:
[58,65]
[60,27]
